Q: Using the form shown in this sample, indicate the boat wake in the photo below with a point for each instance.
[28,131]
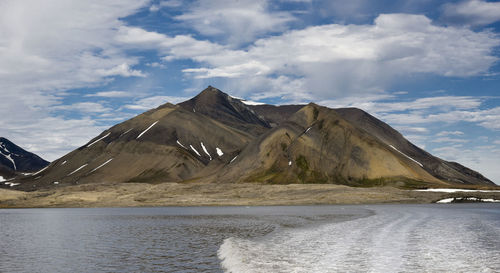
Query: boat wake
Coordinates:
[395,239]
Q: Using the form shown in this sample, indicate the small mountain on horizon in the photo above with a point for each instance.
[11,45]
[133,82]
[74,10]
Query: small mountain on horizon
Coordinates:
[14,160]
[216,138]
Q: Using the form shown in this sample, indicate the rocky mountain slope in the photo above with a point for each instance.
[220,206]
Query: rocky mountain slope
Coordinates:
[15,160]
[216,138]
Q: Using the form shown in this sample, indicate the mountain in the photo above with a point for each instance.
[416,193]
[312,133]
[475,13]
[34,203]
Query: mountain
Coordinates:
[15,160]
[447,171]
[216,138]
[316,145]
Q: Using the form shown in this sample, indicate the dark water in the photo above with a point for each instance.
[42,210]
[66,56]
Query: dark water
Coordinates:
[391,238]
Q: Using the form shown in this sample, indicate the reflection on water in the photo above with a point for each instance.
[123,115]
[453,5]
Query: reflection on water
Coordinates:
[391,238]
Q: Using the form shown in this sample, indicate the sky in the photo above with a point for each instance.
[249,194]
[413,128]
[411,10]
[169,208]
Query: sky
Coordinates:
[70,69]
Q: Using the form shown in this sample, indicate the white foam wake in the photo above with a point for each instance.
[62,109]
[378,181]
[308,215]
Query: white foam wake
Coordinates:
[394,240]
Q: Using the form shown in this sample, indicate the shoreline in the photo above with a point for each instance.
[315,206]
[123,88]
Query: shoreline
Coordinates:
[210,194]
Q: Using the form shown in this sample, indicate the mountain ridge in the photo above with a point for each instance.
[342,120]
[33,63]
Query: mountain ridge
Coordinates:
[216,138]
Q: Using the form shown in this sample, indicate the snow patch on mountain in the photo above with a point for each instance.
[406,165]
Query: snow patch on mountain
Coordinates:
[81,167]
[9,157]
[205,150]
[98,140]
[147,129]
[102,165]
[125,132]
[249,102]
[420,164]
[180,144]
[195,150]
[234,158]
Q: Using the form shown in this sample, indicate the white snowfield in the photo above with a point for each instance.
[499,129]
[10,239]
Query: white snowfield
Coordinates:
[289,163]
[194,150]
[420,164]
[102,165]
[456,190]
[473,199]
[147,129]
[308,129]
[11,184]
[219,151]
[2,179]
[234,158]
[445,201]
[205,150]
[81,167]
[64,162]
[249,102]
[98,140]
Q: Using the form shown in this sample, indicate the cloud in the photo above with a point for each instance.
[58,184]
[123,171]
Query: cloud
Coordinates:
[84,107]
[449,140]
[153,102]
[419,130]
[171,3]
[176,47]
[329,61]
[154,8]
[332,60]
[448,133]
[487,118]
[472,13]
[51,137]
[123,70]
[236,22]
[372,103]
[49,47]
[111,94]
[156,65]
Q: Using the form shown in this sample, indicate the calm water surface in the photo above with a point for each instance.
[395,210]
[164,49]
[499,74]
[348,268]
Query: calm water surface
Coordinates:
[379,238]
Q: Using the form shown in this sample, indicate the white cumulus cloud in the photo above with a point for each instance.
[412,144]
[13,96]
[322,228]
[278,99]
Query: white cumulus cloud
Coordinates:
[472,12]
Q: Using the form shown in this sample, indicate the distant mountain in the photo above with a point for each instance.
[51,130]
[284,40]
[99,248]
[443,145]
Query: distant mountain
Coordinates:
[15,160]
[216,138]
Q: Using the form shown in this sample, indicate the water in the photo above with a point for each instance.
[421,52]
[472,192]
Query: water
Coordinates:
[375,238]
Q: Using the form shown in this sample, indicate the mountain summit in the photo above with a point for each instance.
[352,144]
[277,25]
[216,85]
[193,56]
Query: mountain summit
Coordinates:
[228,110]
[216,138]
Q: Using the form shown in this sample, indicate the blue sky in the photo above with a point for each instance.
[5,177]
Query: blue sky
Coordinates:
[70,69]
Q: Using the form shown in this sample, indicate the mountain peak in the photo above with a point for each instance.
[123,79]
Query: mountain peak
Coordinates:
[226,109]
[210,96]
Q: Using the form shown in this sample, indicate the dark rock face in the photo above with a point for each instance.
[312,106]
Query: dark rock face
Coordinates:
[14,159]
[216,138]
